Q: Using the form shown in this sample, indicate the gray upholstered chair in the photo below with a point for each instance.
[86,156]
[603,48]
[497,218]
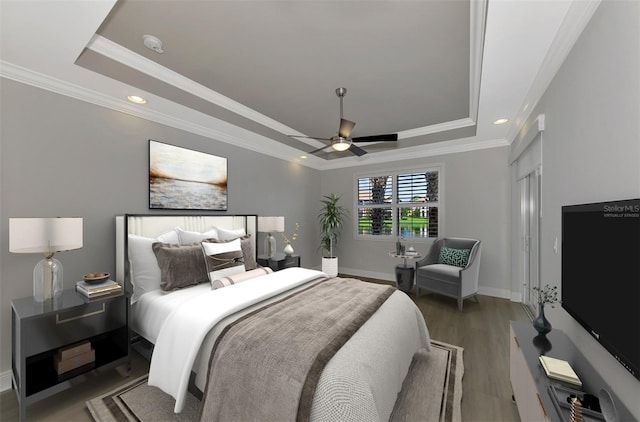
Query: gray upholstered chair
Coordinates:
[459,282]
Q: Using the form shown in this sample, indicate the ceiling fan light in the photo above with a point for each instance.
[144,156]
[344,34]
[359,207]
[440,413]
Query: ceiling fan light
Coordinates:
[341,144]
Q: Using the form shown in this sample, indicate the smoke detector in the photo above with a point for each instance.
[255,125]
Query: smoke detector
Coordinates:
[153,43]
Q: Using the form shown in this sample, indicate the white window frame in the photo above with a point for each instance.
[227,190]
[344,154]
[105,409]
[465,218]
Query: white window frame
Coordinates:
[395,206]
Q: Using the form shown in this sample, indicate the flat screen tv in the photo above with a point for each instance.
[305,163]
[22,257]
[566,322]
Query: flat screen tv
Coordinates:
[601,274]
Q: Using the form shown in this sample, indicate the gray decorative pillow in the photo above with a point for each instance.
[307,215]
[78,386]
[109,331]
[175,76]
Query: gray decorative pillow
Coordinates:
[238,278]
[223,259]
[456,257]
[180,265]
[248,253]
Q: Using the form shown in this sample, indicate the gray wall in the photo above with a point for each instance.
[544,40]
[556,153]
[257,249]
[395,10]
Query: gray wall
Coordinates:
[591,152]
[63,157]
[476,204]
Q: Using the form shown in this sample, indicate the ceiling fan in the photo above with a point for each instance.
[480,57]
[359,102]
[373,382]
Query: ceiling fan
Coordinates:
[343,140]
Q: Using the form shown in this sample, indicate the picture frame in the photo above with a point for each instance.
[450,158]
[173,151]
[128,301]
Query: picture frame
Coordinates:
[186,179]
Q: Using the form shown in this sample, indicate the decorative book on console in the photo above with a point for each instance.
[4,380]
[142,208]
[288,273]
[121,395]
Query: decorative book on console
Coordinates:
[106,287]
[560,370]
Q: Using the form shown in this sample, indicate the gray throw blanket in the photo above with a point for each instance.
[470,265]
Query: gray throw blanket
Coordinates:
[266,365]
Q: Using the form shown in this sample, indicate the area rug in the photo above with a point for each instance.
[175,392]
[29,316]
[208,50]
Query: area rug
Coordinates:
[432,391]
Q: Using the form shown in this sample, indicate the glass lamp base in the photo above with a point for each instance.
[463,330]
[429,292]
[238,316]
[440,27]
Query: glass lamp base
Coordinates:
[270,245]
[47,279]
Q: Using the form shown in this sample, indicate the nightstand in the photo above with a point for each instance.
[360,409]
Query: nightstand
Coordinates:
[40,330]
[279,261]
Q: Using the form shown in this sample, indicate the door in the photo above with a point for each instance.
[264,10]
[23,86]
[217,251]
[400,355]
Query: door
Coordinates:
[530,237]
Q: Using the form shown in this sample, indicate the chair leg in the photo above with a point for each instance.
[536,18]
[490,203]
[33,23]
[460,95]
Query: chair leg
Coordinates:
[476,298]
[460,303]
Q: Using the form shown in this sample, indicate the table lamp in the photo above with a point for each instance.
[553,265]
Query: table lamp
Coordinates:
[270,225]
[46,236]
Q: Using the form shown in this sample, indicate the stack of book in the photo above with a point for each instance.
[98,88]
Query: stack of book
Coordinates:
[74,356]
[104,288]
[560,370]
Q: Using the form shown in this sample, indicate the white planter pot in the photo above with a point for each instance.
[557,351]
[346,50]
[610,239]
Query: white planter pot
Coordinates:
[330,266]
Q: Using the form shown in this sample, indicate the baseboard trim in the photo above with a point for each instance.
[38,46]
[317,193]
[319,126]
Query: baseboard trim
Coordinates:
[5,380]
[516,297]
[492,291]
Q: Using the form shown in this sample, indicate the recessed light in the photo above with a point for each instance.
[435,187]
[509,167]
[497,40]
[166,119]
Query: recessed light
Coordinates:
[500,121]
[303,157]
[136,99]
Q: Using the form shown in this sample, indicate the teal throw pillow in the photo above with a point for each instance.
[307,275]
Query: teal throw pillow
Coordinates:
[451,256]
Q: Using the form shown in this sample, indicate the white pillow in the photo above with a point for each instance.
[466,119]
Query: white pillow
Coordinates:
[223,259]
[189,238]
[226,234]
[145,272]
[169,237]
[238,278]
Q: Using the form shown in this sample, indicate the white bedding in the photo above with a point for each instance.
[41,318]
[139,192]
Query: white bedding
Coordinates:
[184,330]
[150,311]
[368,382]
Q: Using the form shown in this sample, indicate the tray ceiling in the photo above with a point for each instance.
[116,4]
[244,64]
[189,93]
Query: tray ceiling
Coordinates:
[252,73]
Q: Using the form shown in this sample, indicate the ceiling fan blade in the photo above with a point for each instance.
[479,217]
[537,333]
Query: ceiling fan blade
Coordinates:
[346,126]
[319,149]
[357,150]
[377,138]
[309,137]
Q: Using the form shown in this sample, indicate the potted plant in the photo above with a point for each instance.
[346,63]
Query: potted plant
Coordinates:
[331,219]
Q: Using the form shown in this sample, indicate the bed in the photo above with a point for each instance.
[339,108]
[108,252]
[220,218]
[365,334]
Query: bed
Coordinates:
[189,322]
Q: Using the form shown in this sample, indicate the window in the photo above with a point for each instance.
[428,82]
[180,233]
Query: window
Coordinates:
[404,204]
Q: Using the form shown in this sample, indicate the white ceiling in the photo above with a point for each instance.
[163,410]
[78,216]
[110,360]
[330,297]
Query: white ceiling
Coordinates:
[438,73]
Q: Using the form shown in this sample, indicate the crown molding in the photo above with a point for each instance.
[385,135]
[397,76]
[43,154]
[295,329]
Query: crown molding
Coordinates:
[410,153]
[440,127]
[140,63]
[116,52]
[528,134]
[248,140]
[576,19]
[478,22]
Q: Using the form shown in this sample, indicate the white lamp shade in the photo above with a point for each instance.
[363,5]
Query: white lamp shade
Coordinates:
[44,235]
[271,224]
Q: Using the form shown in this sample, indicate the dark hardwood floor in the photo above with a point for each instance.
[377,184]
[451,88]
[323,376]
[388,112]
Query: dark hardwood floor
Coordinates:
[482,330]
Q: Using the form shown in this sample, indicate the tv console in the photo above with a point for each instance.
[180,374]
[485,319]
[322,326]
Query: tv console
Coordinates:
[531,386]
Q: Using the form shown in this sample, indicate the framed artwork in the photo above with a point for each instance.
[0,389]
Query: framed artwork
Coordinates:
[184,179]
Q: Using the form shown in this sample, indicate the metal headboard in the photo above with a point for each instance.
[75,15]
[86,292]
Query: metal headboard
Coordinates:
[153,225]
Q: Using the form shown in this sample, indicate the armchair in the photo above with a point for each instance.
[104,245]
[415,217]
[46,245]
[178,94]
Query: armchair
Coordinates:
[450,280]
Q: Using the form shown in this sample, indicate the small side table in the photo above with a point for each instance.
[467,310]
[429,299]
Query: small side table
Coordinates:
[404,272]
[40,330]
[279,261]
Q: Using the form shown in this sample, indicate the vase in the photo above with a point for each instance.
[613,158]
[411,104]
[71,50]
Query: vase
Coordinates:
[288,249]
[541,324]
